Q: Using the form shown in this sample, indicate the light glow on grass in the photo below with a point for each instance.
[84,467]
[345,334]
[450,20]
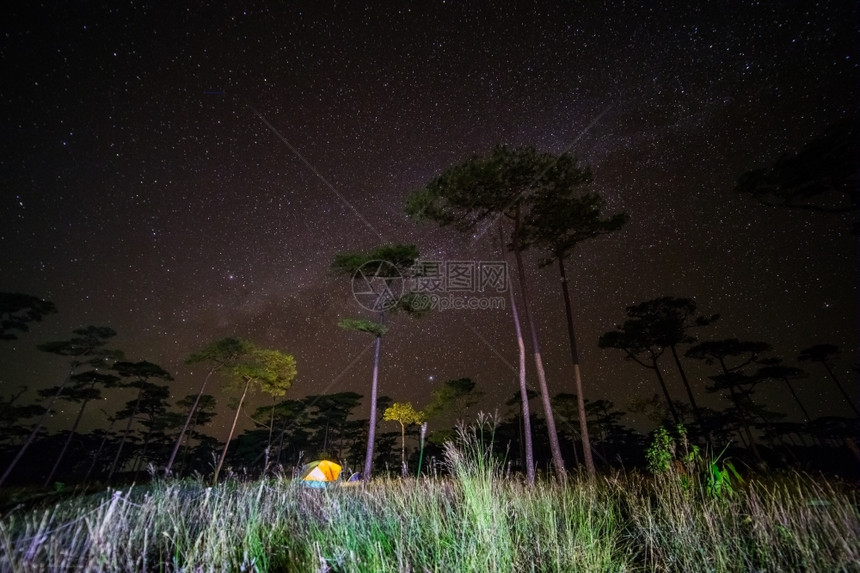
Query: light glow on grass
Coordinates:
[473,520]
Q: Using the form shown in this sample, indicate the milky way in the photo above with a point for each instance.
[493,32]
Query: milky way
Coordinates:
[184,174]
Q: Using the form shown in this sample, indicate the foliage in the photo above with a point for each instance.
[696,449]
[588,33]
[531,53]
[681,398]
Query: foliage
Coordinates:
[401,257]
[820,177]
[85,343]
[380,264]
[459,393]
[479,189]
[272,370]
[818,353]
[653,326]
[11,414]
[88,343]
[822,353]
[718,351]
[661,452]
[141,372]
[150,403]
[472,452]
[221,352]
[721,477]
[363,325]
[476,194]
[560,218]
[403,413]
[474,521]
[17,310]
[675,456]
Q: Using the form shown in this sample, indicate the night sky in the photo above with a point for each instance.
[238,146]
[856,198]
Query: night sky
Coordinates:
[143,186]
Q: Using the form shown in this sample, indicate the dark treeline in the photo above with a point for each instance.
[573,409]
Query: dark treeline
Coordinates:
[533,201]
[142,435]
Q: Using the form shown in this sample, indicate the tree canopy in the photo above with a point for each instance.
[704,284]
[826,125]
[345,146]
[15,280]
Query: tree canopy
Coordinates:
[822,176]
[18,310]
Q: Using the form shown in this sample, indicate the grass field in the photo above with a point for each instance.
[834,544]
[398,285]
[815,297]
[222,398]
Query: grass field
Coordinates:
[472,520]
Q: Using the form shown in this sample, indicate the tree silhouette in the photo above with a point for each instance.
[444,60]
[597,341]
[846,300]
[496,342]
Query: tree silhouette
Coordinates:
[560,218]
[217,355]
[140,373]
[84,348]
[154,416]
[291,416]
[521,398]
[202,407]
[822,176]
[404,414]
[11,414]
[773,369]
[656,410]
[732,377]
[330,419]
[81,390]
[105,436]
[605,424]
[273,371]
[664,323]
[453,395]
[821,353]
[472,195]
[18,310]
[377,330]
[637,341]
[525,426]
[566,406]
[385,443]
[378,272]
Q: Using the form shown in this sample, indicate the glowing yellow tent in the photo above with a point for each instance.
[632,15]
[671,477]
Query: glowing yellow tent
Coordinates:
[320,472]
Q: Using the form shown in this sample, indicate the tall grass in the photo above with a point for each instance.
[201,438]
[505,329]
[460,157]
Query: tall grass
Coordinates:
[474,520]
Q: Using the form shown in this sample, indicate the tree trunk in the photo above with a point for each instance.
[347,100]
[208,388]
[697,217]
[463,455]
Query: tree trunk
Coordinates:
[371,432]
[271,424]
[841,389]
[232,429]
[403,449]
[268,451]
[281,442]
[125,433]
[36,428]
[187,422]
[574,356]
[142,455]
[745,423]
[554,447]
[186,450]
[796,399]
[99,451]
[666,395]
[524,391]
[66,445]
[696,413]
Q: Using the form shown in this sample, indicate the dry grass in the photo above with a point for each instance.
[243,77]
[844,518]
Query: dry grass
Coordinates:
[474,520]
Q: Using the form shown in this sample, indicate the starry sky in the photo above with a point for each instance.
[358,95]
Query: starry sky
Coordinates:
[188,171]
